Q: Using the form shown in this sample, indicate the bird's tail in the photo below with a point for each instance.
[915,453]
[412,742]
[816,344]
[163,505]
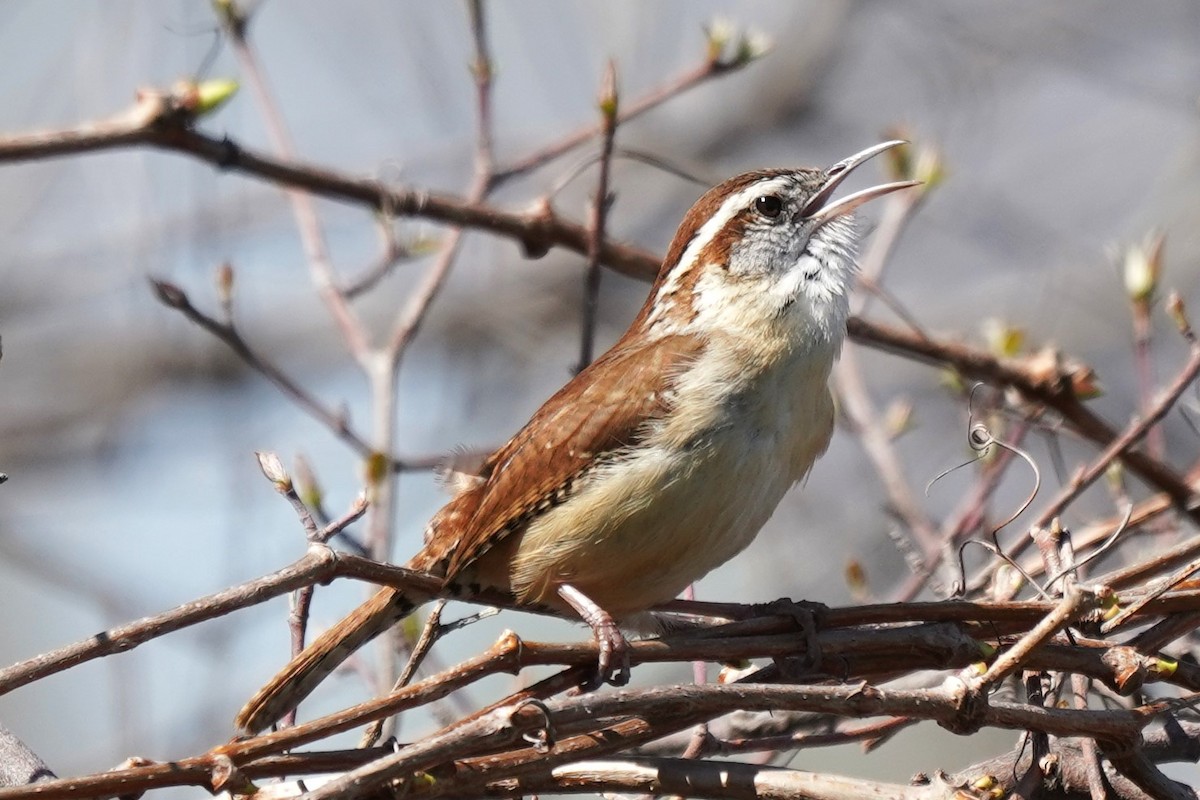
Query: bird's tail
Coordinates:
[306,671]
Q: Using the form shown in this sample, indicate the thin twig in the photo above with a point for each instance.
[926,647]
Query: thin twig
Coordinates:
[609,104]
[706,779]
[799,741]
[1054,389]
[1081,687]
[154,123]
[1161,634]
[300,601]
[1067,611]
[318,564]
[227,333]
[877,443]
[695,76]
[1133,764]
[1166,585]
[312,236]
[1128,438]
[856,400]
[418,303]
[391,254]
[429,635]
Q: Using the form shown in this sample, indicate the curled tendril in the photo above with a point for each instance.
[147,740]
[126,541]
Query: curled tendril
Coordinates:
[1037,482]
[993,547]
[1099,551]
[980,440]
[210,55]
[542,739]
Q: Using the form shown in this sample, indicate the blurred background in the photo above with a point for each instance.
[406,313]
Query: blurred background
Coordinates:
[1068,130]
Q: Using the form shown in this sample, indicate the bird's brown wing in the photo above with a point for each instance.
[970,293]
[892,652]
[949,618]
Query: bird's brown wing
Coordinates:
[604,409]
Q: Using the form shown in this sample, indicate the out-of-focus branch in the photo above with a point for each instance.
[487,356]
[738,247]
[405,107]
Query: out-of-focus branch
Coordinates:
[591,284]
[715,65]
[226,332]
[156,122]
[312,236]
[419,302]
[1134,433]
[1051,385]
[865,420]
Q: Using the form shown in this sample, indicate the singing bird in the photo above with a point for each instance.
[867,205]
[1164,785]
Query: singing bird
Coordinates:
[663,458]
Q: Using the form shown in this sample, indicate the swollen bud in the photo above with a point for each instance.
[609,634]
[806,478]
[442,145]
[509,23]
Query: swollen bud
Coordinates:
[169,294]
[1164,666]
[908,162]
[201,99]
[718,33]
[608,93]
[376,468]
[897,161]
[856,579]
[211,95]
[1004,340]
[1142,267]
[898,418]
[1114,474]
[224,281]
[752,46]
[1178,314]
[273,469]
[749,46]
[307,485]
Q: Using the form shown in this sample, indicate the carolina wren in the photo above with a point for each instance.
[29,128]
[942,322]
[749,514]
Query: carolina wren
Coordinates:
[663,458]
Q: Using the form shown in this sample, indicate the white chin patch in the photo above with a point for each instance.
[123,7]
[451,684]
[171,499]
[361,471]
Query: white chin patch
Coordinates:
[802,279]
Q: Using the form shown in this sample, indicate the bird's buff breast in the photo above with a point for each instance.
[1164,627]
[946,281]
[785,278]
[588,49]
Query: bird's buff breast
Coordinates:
[641,529]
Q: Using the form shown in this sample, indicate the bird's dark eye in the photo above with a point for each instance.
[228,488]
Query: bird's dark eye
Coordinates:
[769,206]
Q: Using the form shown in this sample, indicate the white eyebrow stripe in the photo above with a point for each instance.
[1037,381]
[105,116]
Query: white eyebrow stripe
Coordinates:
[716,223]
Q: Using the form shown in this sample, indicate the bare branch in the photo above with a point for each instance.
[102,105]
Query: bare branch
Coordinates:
[591,284]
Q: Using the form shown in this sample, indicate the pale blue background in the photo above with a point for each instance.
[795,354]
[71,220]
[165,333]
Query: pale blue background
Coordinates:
[1067,128]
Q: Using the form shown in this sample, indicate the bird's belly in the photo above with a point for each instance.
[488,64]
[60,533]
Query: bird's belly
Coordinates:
[642,529]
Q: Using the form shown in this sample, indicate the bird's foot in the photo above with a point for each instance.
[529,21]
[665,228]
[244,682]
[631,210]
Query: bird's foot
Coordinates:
[612,666]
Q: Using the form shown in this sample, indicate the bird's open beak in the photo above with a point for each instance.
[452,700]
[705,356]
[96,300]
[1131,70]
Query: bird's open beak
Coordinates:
[818,213]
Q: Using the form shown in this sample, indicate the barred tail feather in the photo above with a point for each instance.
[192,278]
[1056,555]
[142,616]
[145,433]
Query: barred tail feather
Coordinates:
[306,671]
